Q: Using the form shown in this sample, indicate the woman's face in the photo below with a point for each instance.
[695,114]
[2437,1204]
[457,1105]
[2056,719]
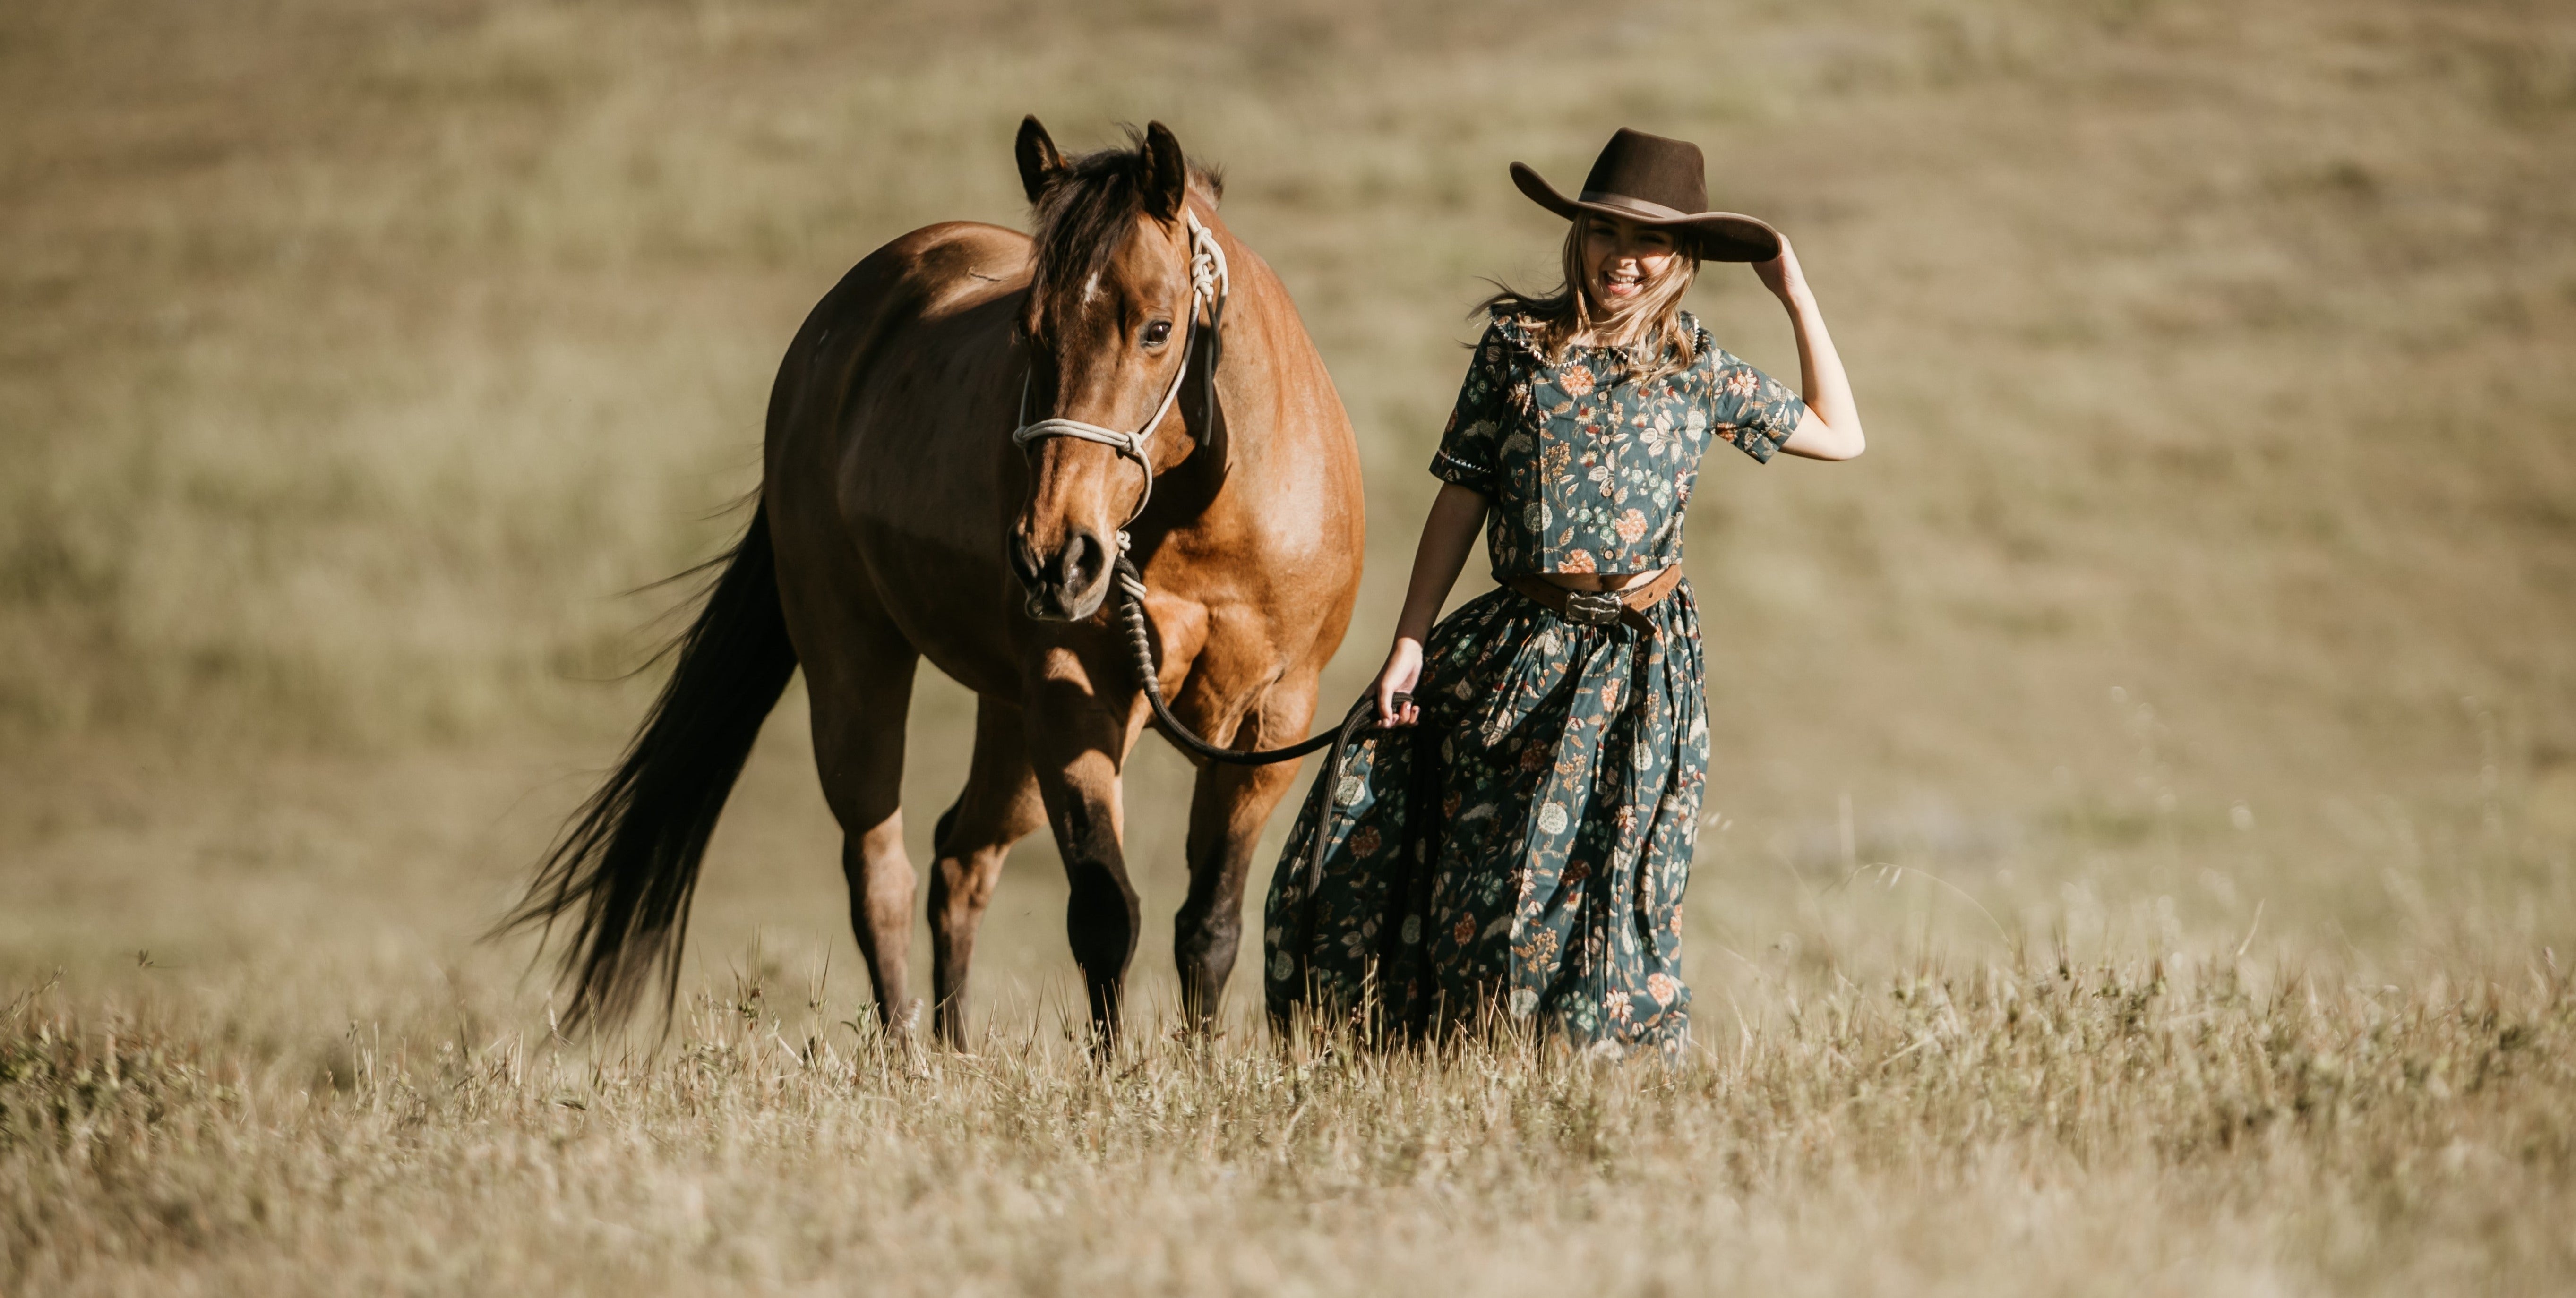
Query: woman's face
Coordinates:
[1621,258]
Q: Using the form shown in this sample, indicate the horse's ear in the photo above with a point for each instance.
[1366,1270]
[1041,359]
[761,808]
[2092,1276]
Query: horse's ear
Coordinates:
[1167,173]
[1039,160]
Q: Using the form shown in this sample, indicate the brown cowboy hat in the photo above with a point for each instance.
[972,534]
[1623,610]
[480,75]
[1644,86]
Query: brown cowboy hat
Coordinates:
[1659,182]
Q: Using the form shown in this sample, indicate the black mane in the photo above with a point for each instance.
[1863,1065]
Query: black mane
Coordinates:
[1084,218]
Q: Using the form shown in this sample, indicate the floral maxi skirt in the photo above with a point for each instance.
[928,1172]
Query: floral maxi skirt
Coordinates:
[1522,850]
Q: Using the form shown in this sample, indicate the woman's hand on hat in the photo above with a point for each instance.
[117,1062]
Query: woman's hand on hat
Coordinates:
[1829,427]
[1395,682]
[1781,274]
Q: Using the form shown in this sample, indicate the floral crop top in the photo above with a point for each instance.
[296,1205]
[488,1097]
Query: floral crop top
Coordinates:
[1588,470]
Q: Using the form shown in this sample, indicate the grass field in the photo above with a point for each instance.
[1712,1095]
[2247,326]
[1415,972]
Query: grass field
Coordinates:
[2144,794]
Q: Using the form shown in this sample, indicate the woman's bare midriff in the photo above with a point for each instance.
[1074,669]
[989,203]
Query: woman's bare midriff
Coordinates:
[1601,580]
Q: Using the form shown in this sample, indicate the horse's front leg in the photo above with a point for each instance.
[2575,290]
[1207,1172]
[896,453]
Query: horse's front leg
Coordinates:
[1228,809]
[1079,735]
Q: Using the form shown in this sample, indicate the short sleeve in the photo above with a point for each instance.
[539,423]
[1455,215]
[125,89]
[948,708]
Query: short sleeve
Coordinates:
[1751,409]
[1470,448]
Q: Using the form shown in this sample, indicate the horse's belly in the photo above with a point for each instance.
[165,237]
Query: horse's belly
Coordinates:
[951,603]
[923,505]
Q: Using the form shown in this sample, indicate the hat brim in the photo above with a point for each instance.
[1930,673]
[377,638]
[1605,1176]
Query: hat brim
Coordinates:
[1719,236]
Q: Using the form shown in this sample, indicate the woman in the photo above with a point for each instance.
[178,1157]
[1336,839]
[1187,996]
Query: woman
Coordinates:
[1525,845]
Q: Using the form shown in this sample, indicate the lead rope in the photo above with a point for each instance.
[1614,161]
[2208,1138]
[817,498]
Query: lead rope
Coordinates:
[1131,611]
[1140,644]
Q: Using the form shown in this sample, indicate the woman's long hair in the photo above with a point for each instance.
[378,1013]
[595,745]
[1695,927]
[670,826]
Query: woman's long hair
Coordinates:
[1651,329]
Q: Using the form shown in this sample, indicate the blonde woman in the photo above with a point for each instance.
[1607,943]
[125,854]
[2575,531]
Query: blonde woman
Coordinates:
[1519,836]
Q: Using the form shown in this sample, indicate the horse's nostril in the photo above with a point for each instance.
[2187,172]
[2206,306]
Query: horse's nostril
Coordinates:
[1082,561]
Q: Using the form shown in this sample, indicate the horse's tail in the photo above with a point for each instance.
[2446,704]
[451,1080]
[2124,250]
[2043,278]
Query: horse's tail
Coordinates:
[627,862]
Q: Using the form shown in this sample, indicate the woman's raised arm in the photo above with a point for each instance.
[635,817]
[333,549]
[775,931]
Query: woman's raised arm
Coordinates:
[1831,428]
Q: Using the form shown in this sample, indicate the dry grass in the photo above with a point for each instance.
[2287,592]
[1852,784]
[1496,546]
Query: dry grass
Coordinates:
[1969,1131]
[2204,603]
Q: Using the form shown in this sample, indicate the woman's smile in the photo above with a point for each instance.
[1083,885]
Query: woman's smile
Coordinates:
[1623,259]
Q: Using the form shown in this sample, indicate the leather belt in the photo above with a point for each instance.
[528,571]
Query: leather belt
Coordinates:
[1600,607]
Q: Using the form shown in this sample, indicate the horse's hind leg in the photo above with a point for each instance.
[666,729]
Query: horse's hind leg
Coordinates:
[999,807]
[862,688]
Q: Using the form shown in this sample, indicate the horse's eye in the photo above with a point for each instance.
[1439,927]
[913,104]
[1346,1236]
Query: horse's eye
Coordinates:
[1156,332]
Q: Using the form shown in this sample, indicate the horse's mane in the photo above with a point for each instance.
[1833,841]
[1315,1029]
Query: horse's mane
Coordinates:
[1085,216]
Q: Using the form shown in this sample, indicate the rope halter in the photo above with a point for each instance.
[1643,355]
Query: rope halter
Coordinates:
[1209,285]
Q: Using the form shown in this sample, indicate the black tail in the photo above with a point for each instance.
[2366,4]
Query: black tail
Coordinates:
[628,860]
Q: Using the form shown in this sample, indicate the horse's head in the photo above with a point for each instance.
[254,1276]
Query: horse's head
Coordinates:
[1107,323]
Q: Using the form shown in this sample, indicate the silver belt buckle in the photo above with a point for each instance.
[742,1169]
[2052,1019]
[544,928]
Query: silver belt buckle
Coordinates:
[1593,607]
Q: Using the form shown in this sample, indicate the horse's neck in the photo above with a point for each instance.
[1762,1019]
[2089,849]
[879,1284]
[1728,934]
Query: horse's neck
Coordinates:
[1248,350]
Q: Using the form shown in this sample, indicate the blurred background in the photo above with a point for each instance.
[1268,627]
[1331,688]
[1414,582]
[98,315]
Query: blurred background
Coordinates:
[2207,588]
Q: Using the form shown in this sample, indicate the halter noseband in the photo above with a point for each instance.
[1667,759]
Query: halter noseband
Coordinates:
[1209,285]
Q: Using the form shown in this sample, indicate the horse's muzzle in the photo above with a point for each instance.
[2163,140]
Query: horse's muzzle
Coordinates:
[1071,587]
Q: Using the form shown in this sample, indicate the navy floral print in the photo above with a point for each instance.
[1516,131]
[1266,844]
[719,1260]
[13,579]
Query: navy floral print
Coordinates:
[1588,472]
[1524,850]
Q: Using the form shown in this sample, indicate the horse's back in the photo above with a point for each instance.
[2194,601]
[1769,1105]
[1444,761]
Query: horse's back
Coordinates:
[915,291]
[886,434]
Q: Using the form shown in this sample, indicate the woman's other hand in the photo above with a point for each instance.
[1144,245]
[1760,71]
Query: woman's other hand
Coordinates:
[1395,683]
[1781,274]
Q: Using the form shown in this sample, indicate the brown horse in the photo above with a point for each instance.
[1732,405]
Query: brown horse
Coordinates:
[899,520]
